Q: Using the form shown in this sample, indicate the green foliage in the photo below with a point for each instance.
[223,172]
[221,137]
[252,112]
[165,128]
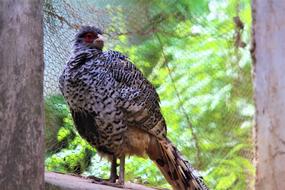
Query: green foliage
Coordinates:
[203,76]
[68,152]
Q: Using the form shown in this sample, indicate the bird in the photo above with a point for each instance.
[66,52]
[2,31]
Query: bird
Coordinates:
[117,110]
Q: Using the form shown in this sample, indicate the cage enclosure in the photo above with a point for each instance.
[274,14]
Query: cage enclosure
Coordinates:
[195,53]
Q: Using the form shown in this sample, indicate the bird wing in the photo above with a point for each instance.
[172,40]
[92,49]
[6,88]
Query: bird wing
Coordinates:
[84,84]
[75,61]
[137,96]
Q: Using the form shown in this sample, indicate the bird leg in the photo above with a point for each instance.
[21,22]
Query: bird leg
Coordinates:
[113,174]
[122,170]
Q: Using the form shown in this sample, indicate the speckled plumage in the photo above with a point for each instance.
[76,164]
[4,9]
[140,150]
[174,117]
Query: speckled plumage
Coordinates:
[116,109]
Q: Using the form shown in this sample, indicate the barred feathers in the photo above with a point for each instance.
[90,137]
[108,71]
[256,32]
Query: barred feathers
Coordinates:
[116,109]
[177,171]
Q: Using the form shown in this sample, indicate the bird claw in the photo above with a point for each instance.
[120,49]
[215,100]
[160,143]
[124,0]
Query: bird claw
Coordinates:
[96,179]
[121,182]
[108,183]
[113,179]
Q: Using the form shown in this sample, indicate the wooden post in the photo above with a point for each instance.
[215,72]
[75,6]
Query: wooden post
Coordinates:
[269,74]
[21,95]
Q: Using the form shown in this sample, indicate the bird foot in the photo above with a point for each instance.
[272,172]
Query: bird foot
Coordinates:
[96,179]
[108,183]
[113,178]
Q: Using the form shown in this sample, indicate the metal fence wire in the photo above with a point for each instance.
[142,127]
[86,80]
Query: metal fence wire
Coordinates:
[196,54]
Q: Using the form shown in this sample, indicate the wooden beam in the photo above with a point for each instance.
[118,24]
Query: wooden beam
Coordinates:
[56,181]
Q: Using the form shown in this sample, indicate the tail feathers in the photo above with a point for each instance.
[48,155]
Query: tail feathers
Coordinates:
[177,171]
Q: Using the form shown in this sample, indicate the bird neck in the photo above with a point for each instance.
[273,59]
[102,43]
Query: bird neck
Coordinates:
[81,48]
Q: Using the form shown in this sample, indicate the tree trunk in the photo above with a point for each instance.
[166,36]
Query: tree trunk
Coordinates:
[21,95]
[269,72]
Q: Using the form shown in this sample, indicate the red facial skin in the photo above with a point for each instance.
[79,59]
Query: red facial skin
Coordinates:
[89,37]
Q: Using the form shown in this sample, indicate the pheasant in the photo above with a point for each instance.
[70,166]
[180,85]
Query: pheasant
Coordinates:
[116,109]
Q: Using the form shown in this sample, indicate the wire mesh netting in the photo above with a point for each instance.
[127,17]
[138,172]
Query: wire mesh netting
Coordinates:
[196,54]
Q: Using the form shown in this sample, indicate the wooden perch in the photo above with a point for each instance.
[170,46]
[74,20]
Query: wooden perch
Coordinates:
[56,181]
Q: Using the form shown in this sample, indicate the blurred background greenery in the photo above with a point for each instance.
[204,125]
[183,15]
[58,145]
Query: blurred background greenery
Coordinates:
[197,55]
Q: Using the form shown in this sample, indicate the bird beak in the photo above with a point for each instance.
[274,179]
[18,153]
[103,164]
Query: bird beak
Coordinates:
[100,38]
[99,42]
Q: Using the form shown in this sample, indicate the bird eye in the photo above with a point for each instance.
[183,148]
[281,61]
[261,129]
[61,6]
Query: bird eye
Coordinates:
[89,37]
